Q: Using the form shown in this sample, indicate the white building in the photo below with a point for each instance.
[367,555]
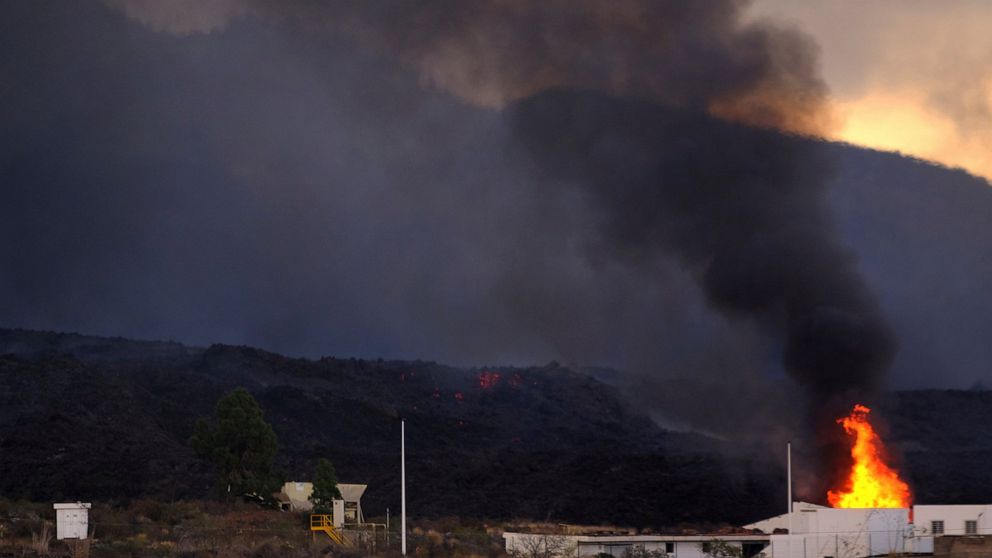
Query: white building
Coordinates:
[72,520]
[952,520]
[820,532]
[675,546]
[295,496]
[810,531]
[930,522]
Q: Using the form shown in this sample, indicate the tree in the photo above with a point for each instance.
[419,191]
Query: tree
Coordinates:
[241,445]
[542,546]
[325,487]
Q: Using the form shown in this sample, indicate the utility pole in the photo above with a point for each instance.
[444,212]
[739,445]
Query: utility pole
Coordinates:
[403,487]
[788,475]
[788,469]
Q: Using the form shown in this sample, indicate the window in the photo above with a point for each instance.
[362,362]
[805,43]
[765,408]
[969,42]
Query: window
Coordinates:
[669,547]
[618,550]
[937,527]
[707,547]
[970,527]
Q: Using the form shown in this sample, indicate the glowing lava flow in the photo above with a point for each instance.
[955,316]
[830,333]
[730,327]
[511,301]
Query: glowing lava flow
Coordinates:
[871,483]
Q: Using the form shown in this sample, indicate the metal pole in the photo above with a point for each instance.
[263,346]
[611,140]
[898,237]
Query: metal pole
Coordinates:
[788,447]
[788,475]
[403,487]
[387,527]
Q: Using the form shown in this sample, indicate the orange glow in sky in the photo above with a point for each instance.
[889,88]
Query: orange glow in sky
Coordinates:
[904,123]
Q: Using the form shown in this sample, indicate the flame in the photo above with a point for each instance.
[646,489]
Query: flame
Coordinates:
[488,380]
[871,483]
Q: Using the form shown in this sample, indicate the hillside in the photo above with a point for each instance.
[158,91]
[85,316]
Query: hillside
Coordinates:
[163,201]
[89,418]
[93,418]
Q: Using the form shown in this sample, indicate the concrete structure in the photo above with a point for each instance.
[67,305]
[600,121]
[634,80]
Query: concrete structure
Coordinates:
[933,524]
[674,546]
[820,532]
[952,520]
[817,532]
[295,496]
[352,496]
[962,546]
[72,521]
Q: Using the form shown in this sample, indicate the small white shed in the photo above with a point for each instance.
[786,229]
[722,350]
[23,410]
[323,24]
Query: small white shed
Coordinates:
[72,520]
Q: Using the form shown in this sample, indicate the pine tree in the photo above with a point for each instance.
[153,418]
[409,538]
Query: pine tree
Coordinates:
[325,487]
[241,445]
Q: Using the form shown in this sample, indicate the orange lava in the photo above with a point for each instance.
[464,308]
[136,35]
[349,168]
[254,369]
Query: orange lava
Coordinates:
[871,482]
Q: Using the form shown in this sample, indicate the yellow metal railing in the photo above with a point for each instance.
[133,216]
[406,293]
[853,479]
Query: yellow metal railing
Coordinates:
[324,522]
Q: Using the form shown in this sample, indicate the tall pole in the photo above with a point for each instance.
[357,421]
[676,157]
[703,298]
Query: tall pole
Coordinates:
[788,475]
[788,450]
[403,487]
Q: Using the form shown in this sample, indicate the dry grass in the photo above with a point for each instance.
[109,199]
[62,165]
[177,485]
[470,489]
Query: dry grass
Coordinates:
[41,541]
[210,530]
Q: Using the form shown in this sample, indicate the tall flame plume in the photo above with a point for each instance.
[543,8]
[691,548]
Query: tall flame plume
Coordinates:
[871,482]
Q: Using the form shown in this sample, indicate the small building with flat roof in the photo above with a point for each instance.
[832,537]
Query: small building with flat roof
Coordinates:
[72,520]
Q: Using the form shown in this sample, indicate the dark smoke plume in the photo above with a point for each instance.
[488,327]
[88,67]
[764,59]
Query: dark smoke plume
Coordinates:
[504,180]
[691,54]
[740,207]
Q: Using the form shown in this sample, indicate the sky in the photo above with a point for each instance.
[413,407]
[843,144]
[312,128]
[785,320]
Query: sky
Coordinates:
[399,180]
[913,76]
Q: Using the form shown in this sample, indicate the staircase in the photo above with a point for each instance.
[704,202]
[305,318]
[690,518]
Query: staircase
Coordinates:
[324,522]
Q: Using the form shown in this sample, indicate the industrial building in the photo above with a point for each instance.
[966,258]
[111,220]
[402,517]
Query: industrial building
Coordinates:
[295,496]
[819,532]
[681,546]
[809,531]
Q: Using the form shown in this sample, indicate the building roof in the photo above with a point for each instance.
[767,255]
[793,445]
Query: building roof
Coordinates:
[349,492]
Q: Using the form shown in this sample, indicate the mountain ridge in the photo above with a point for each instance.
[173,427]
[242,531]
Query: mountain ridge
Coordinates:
[539,442]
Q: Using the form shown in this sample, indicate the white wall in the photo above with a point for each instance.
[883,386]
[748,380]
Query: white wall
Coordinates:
[953,518]
[582,546]
[782,521]
[71,521]
[849,533]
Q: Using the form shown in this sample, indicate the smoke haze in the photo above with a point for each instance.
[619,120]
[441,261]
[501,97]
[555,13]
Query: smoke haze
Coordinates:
[471,183]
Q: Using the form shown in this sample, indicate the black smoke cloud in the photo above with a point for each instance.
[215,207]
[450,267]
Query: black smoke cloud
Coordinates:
[741,207]
[691,54]
[462,181]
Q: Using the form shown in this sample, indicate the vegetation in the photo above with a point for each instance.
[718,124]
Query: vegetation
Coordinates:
[720,549]
[325,487]
[103,420]
[213,529]
[241,445]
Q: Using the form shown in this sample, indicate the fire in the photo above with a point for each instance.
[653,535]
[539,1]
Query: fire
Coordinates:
[871,483]
[488,380]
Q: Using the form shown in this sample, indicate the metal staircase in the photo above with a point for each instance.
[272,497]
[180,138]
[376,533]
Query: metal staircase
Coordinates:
[324,522]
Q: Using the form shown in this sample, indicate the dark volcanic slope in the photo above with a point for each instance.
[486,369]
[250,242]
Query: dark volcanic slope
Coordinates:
[91,418]
[94,418]
[946,443]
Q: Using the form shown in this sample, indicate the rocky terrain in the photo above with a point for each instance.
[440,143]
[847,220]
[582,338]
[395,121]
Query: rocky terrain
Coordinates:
[107,420]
